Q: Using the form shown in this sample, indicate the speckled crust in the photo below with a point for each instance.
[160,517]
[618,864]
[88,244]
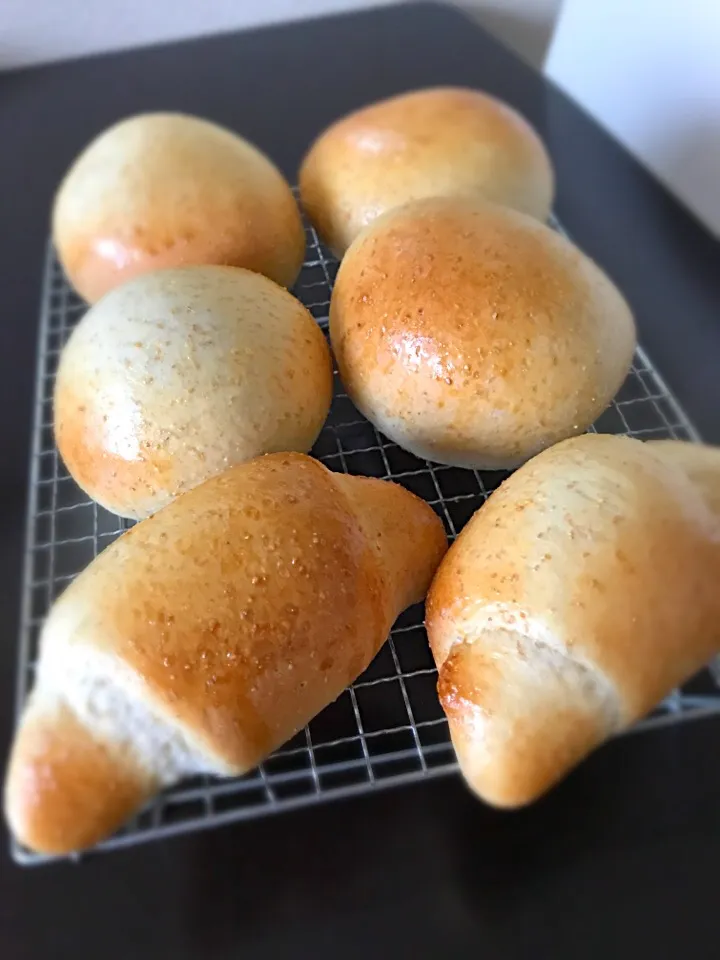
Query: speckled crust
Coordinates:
[232,599]
[179,374]
[159,190]
[473,335]
[574,600]
[435,142]
[240,611]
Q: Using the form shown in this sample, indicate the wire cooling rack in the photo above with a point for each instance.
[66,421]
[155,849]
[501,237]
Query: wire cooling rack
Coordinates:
[388,728]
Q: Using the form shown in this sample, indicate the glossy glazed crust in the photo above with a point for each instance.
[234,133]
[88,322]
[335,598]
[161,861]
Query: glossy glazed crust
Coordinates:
[473,335]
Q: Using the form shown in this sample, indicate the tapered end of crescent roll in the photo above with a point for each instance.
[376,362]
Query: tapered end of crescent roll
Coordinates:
[699,462]
[520,715]
[65,790]
[407,533]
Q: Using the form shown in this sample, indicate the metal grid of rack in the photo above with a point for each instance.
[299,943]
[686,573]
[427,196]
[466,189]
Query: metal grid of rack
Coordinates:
[388,728]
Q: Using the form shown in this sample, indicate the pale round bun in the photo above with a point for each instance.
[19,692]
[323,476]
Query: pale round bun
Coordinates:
[474,335]
[437,142]
[160,190]
[178,375]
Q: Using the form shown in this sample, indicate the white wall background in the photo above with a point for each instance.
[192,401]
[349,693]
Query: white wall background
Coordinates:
[525,25]
[649,70]
[33,31]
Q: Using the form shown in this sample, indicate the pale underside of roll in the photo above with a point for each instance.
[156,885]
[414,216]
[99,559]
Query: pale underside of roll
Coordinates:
[577,597]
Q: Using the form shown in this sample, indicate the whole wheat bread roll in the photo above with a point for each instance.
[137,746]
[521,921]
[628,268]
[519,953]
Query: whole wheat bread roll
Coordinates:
[206,636]
[163,189]
[436,142]
[577,597]
[473,335]
[181,373]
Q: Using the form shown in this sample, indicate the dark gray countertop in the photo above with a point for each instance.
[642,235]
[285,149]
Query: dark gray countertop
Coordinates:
[621,860]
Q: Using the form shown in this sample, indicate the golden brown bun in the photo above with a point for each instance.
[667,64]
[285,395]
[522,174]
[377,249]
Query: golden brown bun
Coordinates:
[178,374]
[577,598]
[163,189]
[473,335]
[437,142]
[208,635]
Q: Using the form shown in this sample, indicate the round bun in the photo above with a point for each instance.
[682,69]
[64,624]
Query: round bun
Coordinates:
[473,335]
[439,142]
[178,375]
[160,190]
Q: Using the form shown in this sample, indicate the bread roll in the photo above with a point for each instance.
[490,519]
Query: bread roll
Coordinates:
[163,189]
[577,598]
[205,637]
[473,335]
[438,142]
[179,374]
